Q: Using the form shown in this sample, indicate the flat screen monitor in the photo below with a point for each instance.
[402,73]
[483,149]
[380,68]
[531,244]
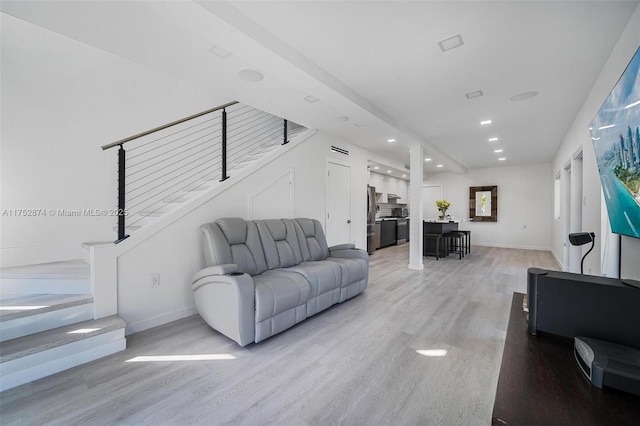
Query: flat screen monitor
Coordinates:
[615,132]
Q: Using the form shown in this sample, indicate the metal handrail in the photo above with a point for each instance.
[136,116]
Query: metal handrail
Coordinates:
[173,123]
[167,163]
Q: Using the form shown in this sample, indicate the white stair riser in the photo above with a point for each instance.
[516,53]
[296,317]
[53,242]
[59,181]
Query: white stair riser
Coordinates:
[45,286]
[42,364]
[45,321]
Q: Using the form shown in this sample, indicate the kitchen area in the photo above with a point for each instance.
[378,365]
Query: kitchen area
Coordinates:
[387,211]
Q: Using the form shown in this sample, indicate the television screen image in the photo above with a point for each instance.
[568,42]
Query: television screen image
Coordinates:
[615,132]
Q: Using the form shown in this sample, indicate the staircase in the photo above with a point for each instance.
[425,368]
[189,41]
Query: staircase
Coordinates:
[163,168]
[46,322]
[187,193]
[47,311]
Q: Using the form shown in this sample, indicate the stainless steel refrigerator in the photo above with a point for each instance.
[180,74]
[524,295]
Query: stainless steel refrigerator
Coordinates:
[371,218]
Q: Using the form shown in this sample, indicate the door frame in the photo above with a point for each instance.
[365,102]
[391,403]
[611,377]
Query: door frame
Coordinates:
[326,191]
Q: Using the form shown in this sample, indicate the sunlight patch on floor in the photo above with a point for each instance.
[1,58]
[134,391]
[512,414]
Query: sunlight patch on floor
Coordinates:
[432,352]
[22,308]
[163,358]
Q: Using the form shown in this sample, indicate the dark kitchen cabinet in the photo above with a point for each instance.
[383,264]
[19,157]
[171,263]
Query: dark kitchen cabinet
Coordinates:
[388,233]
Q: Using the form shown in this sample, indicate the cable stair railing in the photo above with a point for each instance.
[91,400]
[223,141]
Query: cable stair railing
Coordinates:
[166,166]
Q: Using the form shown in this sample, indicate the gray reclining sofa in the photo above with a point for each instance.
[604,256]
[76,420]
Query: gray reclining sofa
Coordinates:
[264,276]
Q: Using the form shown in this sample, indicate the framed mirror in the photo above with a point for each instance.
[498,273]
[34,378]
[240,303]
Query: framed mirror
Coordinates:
[483,203]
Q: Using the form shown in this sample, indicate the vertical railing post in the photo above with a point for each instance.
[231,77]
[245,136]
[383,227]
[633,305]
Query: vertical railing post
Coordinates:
[224,146]
[121,194]
[285,133]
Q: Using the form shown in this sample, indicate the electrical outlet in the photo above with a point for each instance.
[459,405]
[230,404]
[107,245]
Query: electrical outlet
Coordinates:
[155,280]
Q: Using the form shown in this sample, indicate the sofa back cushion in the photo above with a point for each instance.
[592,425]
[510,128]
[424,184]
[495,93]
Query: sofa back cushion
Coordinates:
[234,240]
[279,242]
[312,240]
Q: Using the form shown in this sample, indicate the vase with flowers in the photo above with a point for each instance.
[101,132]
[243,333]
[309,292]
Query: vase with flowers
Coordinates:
[442,206]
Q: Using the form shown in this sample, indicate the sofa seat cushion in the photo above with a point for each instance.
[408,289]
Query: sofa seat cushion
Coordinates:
[353,270]
[322,275]
[325,279]
[278,291]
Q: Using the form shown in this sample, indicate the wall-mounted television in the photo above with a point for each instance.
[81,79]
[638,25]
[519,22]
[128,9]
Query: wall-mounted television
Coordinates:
[615,132]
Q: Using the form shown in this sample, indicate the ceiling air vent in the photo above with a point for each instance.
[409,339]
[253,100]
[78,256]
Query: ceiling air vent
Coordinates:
[339,150]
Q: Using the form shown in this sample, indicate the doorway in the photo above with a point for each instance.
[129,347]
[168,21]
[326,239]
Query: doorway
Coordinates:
[338,202]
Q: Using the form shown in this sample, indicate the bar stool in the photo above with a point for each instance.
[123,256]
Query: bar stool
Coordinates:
[467,235]
[437,239]
[455,242]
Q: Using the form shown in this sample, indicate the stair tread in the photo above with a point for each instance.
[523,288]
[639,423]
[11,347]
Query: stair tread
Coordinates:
[13,306]
[72,269]
[89,244]
[34,343]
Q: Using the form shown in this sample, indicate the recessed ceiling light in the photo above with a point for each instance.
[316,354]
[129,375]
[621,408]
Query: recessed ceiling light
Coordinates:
[427,159]
[376,167]
[606,127]
[220,52]
[360,124]
[451,43]
[251,76]
[524,96]
[391,140]
[493,139]
[311,99]
[439,165]
[485,122]
[498,150]
[502,158]
[404,175]
[388,171]
[595,139]
[475,94]
[341,119]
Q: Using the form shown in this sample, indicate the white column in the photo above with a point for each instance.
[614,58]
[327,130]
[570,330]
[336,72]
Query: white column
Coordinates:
[415,208]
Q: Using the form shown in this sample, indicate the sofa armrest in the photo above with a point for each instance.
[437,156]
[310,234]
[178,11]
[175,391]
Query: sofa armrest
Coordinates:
[226,301]
[353,253]
[215,270]
[345,246]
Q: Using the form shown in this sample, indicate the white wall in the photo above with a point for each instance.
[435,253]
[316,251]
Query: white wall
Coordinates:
[578,137]
[175,252]
[525,209]
[61,101]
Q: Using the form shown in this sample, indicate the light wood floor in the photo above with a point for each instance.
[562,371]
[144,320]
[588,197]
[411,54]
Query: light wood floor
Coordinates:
[355,363]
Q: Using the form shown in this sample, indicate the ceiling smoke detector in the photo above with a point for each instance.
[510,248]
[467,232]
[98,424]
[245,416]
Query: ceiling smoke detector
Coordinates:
[251,76]
[524,96]
[451,43]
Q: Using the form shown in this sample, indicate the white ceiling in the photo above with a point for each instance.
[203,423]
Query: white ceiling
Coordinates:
[376,62]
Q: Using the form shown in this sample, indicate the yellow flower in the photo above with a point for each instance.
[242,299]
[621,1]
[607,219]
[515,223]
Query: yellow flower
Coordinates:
[443,204]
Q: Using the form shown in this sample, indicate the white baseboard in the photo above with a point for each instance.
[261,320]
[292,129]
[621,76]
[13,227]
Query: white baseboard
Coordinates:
[560,265]
[137,326]
[510,246]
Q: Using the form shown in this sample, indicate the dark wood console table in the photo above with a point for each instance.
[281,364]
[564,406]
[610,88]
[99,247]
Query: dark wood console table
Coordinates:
[541,384]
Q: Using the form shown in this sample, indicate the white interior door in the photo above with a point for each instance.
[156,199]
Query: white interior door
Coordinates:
[338,202]
[430,194]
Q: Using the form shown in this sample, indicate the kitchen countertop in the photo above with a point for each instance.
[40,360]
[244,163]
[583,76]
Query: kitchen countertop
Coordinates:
[383,219]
